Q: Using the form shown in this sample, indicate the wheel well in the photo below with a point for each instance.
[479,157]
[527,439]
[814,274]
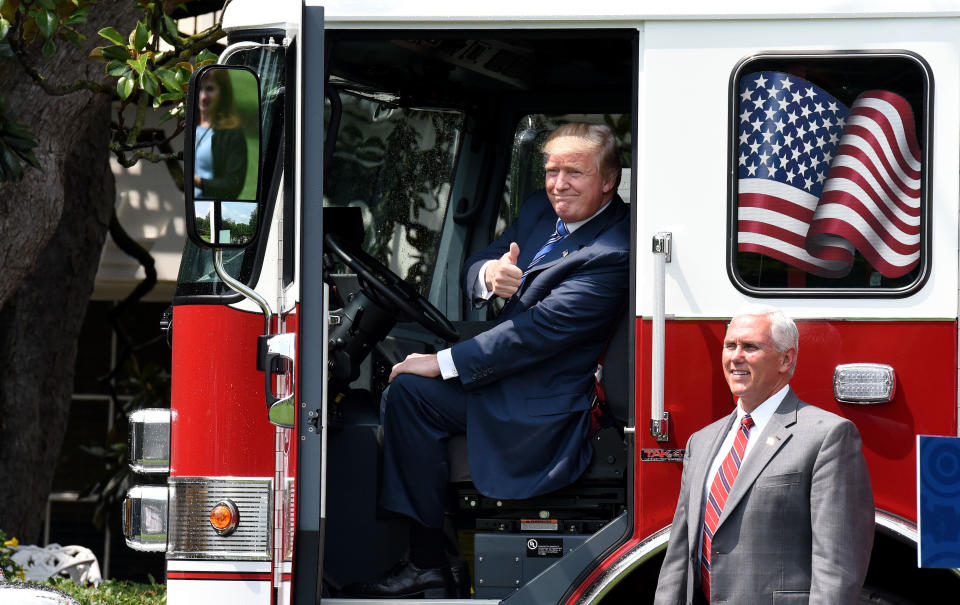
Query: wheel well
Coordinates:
[893,569]
[893,576]
[640,585]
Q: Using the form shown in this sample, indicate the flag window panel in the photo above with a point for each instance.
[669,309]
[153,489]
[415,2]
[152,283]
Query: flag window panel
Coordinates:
[829,188]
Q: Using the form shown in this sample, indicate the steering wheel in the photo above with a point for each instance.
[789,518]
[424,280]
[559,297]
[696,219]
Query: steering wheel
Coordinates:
[387,287]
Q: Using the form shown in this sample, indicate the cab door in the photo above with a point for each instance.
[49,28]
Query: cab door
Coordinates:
[310,422]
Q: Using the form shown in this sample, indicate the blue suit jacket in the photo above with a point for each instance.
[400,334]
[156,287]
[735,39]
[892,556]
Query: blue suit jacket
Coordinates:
[530,377]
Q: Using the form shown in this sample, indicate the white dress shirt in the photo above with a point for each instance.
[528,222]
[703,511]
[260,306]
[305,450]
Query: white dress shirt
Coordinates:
[761,416]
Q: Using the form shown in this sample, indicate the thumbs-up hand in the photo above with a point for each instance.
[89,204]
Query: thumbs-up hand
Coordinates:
[502,276]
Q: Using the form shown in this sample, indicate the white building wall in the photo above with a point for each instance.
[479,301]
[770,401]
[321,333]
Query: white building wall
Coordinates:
[150,208]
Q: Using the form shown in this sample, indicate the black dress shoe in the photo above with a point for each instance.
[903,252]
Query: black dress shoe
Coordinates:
[407,580]
[460,574]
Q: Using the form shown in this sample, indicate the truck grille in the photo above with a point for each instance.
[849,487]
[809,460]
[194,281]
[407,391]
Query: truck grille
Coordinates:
[190,535]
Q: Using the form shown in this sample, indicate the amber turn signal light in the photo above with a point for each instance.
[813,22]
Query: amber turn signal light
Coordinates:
[224,517]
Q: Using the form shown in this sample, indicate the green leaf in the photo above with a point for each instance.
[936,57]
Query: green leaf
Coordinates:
[175,113]
[10,163]
[140,36]
[124,87]
[19,145]
[77,16]
[165,97]
[183,76]
[113,35]
[205,56]
[20,141]
[149,83]
[73,37]
[169,80]
[49,4]
[117,68]
[139,64]
[48,49]
[171,96]
[47,22]
[20,131]
[118,53]
[171,26]
[30,158]
[4,28]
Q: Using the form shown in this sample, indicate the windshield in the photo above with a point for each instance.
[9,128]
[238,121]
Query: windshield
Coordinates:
[395,164]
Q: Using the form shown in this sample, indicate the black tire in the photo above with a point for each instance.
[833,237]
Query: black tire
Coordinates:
[875,596]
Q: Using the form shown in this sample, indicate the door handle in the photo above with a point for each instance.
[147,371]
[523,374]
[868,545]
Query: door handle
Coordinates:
[659,419]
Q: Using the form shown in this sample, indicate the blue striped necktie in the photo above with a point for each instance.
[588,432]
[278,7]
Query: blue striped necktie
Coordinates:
[558,234]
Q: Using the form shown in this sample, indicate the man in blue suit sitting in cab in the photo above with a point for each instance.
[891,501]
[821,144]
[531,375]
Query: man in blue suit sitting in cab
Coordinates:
[522,390]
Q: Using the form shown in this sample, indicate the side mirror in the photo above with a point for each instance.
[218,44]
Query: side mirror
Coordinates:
[221,157]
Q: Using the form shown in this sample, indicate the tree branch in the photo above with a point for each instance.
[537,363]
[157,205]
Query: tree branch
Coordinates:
[139,120]
[152,141]
[51,89]
[127,159]
[223,11]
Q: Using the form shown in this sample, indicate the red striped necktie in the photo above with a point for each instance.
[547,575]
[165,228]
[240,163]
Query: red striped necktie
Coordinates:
[719,490]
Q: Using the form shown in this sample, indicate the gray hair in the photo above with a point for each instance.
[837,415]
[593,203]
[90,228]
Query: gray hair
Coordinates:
[783,330]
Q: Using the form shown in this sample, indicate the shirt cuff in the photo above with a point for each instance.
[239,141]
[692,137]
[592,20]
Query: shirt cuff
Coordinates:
[480,286]
[447,368]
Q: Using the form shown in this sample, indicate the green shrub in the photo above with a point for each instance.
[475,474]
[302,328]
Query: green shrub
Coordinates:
[8,567]
[111,592]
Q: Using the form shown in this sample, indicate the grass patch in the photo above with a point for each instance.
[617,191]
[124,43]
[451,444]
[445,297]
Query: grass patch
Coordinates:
[112,592]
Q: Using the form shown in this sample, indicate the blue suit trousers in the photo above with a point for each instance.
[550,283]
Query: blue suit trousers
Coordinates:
[419,415]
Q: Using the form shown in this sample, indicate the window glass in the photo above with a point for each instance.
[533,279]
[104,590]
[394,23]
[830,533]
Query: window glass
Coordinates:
[396,165]
[830,187]
[197,276]
[525,174]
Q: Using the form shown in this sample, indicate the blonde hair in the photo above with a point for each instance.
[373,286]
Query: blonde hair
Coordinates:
[598,135]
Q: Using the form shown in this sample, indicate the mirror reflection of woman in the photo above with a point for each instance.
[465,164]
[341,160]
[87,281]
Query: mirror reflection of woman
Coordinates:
[220,149]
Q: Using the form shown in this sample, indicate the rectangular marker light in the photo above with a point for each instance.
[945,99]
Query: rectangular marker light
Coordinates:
[148,443]
[864,383]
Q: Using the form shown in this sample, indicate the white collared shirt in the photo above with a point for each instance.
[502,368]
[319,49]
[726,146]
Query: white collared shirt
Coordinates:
[761,416]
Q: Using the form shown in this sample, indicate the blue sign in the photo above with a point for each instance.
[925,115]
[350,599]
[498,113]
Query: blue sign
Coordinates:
[938,501]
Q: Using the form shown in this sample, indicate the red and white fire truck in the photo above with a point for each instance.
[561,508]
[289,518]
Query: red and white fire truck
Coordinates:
[802,155]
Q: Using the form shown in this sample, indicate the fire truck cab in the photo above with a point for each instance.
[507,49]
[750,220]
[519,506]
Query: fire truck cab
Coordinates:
[384,144]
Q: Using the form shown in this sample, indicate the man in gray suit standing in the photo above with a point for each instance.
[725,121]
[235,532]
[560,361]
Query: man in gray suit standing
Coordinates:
[775,503]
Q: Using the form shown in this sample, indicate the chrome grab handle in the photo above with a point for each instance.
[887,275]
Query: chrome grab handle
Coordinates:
[659,419]
[242,288]
[277,346]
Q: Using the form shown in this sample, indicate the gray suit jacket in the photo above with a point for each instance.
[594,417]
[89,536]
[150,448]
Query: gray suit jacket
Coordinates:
[798,525]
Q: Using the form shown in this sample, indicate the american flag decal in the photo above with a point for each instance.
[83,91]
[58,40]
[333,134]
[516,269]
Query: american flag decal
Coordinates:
[818,181]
